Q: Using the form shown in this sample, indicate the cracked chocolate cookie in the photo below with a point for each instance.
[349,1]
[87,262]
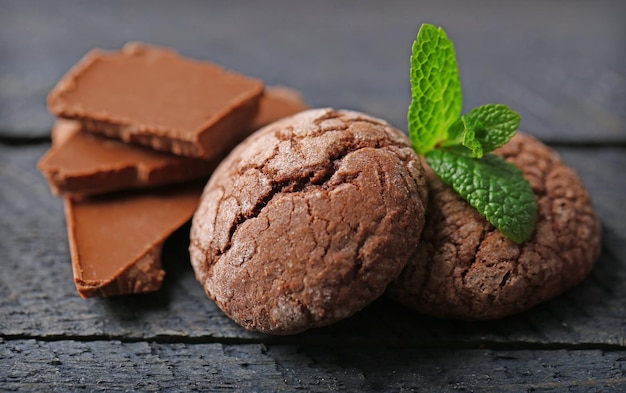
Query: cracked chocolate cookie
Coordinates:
[465,268]
[308,220]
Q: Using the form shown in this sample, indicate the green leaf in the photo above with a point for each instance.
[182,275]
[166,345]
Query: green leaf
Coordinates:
[494,187]
[436,97]
[462,134]
[484,129]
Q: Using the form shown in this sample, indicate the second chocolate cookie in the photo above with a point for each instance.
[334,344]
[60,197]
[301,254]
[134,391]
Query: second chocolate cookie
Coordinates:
[308,220]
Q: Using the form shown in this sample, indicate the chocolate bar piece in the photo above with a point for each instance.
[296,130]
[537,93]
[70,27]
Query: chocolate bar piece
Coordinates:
[116,240]
[61,131]
[87,164]
[152,96]
[276,103]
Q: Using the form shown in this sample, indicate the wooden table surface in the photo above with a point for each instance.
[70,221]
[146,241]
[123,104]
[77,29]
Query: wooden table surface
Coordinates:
[561,65]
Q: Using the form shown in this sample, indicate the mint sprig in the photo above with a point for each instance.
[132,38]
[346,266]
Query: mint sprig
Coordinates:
[457,146]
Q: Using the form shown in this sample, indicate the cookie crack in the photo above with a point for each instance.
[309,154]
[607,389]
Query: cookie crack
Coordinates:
[300,184]
[241,217]
[314,176]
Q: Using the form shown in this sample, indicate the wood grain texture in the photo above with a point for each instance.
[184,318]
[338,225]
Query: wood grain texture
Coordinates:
[561,65]
[117,366]
[38,298]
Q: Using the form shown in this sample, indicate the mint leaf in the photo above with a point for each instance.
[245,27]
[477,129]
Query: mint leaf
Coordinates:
[484,129]
[463,134]
[494,187]
[435,88]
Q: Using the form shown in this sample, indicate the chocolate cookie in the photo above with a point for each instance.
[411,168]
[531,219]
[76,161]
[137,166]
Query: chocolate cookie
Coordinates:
[465,268]
[308,220]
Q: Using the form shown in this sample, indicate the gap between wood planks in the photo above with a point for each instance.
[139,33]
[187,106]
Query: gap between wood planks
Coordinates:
[325,342]
[23,141]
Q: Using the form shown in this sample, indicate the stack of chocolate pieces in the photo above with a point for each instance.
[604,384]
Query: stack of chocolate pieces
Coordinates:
[138,134]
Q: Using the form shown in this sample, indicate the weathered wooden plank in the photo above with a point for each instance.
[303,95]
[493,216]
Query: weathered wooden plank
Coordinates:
[38,298]
[560,65]
[602,172]
[30,365]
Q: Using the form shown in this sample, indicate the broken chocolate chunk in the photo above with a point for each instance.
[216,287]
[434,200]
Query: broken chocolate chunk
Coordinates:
[152,96]
[116,240]
[278,102]
[85,164]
